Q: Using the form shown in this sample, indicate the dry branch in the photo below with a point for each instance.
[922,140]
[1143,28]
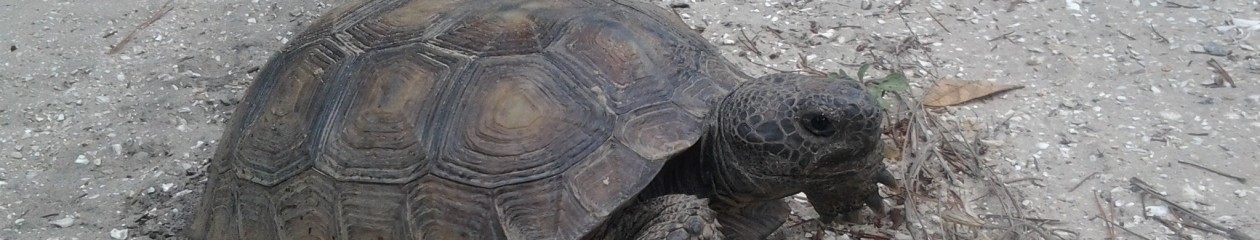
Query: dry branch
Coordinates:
[166,7]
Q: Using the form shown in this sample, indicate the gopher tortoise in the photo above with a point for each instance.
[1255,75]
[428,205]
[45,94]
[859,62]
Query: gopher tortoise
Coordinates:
[547,119]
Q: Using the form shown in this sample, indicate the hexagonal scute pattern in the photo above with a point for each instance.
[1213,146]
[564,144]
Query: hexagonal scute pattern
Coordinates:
[428,119]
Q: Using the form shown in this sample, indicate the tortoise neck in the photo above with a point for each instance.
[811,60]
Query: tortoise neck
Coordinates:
[710,171]
[728,184]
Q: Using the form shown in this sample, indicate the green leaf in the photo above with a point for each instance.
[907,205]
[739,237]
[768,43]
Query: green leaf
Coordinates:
[879,97]
[862,72]
[838,74]
[894,82]
[875,91]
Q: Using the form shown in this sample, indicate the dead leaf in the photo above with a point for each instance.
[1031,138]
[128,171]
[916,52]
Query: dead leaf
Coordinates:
[949,92]
[890,151]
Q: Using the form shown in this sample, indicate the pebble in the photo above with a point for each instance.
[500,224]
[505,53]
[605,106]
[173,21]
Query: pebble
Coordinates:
[118,233]
[1157,211]
[82,160]
[63,222]
[15,155]
[1170,115]
[1215,49]
[1043,145]
[1034,61]
[829,34]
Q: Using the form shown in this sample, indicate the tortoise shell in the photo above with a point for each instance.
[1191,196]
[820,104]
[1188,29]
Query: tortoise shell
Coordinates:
[461,119]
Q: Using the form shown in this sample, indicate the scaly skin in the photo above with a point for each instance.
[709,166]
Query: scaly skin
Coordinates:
[777,136]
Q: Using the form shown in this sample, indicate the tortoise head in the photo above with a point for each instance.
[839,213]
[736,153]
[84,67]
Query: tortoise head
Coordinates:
[783,134]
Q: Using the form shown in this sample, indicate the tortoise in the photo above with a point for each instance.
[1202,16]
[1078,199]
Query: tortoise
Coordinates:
[530,119]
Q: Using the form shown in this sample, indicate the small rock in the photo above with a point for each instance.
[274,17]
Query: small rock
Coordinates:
[15,155]
[1034,61]
[1170,115]
[1043,145]
[1215,49]
[82,160]
[829,34]
[118,234]
[1156,211]
[63,222]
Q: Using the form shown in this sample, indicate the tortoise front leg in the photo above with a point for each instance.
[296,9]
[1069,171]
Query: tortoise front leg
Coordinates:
[754,221]
[673,217]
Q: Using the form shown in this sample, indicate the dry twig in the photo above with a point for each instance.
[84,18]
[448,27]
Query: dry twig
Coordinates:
[166,7]
[1106,217]
[1237,178]
[1148,190]
[1112,224]
[1224,76]
[1158,37]
[938,21]
[1126,35]
[1082,182]
[1180,232]
[1171,4]
[804,65]
[746,43]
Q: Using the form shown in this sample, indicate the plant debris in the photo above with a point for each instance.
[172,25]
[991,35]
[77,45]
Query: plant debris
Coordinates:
[948,92]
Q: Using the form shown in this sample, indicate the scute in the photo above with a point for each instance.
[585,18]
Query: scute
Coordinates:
[279,115]
[304,207]
[383,132]
[371,211]
[658,132]
[436,119]
[519,119]
[631,71]
[401,22]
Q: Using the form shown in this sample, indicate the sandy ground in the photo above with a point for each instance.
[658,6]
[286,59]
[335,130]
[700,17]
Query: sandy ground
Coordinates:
[97,146]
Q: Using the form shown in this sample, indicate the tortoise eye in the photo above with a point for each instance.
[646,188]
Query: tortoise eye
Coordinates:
[818,125]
